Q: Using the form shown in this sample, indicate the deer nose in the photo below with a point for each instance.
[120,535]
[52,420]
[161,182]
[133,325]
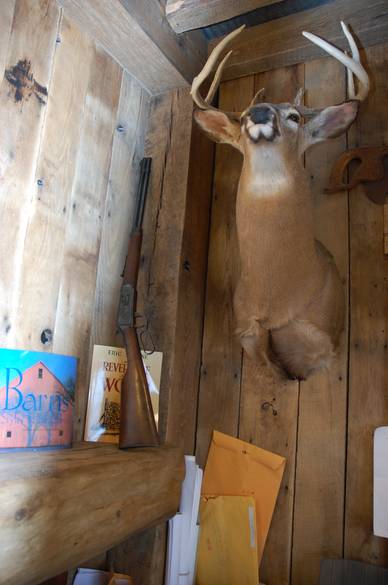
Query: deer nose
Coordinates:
[261,115]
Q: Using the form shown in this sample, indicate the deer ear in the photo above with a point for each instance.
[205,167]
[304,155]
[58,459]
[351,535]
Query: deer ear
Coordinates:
[329,123]
[219,126]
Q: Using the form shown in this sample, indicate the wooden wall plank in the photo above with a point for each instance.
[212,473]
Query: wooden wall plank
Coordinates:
[268,46]
[21,124]
[368,405]
[184,15]
[320,476]
[168,223]
[142,556]
[41,264]
[7,10]
[172,290]
[184,383]
[127,151]
[168,144]
[137,35]
[219,395]
[274,427]
[83,230]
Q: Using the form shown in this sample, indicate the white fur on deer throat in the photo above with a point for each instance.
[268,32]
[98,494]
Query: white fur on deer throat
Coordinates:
[270,176]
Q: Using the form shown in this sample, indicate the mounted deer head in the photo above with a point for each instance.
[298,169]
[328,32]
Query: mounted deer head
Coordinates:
[289,302]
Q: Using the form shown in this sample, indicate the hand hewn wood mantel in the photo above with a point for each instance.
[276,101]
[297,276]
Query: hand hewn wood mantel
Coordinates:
[59,508]
[137,35]
[184,15]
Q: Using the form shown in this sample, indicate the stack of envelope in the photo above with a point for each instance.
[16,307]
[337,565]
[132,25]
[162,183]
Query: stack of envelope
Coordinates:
[183,529]
[240,486]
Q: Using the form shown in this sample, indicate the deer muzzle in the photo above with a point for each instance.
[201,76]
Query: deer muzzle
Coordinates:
[261,123]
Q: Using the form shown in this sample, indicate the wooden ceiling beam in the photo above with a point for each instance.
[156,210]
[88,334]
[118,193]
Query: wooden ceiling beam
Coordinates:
[185,15]
[137,35]
[280,43]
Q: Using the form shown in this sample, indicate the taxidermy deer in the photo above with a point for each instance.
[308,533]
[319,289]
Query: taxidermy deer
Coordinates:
[289,301]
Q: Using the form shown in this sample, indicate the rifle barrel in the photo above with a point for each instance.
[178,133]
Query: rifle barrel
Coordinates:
[145,170]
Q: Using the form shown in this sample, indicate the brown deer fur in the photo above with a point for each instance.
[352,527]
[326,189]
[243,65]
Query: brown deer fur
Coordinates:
[289,301]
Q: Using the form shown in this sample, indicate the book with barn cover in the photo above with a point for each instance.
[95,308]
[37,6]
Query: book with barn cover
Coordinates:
[109,365]
[36,399]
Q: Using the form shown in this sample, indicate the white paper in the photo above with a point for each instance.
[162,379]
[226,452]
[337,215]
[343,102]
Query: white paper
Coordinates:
[380,487]
[182,552]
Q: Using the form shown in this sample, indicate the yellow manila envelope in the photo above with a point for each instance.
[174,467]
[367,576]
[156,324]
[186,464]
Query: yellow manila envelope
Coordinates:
[235,467]
[227,548]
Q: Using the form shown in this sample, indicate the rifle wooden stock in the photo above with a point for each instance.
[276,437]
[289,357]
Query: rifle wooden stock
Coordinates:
[137,423]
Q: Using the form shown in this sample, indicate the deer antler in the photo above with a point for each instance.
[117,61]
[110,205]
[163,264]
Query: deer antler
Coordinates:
[352,64]
[202,103]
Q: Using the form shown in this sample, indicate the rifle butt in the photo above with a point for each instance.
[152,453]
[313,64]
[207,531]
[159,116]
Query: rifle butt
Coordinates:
[137,422]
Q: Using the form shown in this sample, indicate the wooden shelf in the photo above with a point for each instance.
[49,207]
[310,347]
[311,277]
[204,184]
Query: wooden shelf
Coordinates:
[59,508]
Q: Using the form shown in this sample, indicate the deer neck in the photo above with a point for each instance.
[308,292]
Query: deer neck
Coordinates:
[272,172]
[274,212]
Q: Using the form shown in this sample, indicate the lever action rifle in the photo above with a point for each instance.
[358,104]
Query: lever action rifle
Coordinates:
[137,422]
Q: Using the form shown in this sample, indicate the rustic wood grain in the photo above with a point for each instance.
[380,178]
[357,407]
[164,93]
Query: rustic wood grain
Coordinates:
[184,383]
[41,264]
[280,43]
[66,506]
[385,222]
[21,124]
[184,15]
[7,10]
[127,151]
[83,230]
[219,394]
[168,143]
[166,299]
[320,476]
[142,556]
[368,405]
[269,406]
[138,37]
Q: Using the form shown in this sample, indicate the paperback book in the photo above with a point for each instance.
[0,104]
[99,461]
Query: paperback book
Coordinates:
[109,365]
[36,399]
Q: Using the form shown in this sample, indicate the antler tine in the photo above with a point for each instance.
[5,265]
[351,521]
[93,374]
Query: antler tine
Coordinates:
[351,63]
[355,56]
[209,65]
[217,79]
[304,110]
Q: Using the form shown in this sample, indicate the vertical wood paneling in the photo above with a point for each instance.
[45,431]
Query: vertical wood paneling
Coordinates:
[161,298]
[219,395]
[41,264]
[368,397]
[21,124]
[168,143]
[274,428]
[184,383]
[320,472]
[127,151]
[83,231]
[7,9]
[142,556]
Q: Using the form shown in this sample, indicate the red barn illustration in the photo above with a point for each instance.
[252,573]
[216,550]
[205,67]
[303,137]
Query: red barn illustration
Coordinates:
[35,409]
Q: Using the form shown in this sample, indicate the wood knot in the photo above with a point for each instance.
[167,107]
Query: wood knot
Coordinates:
[21,78]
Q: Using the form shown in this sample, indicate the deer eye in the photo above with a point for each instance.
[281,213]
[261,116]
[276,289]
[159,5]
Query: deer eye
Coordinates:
[294,118]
